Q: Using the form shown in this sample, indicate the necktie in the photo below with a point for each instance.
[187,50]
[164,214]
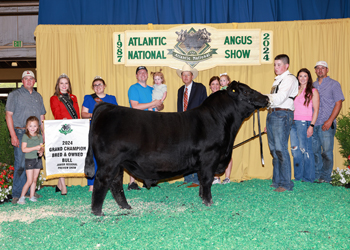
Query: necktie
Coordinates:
[185,99]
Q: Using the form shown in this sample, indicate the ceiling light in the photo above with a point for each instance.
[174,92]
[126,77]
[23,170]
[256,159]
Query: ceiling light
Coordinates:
[14,64]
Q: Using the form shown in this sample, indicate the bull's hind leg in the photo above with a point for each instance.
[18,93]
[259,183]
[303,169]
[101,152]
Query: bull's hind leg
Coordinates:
[98,195]
[118,191]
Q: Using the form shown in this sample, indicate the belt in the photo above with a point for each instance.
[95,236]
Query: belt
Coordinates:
[19,128]
[277,109]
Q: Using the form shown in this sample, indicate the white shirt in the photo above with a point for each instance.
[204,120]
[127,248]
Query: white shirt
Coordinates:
[287,87]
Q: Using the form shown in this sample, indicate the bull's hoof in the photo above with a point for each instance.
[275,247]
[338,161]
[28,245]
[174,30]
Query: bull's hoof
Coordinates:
[98,213]
[208,203]
[127,206]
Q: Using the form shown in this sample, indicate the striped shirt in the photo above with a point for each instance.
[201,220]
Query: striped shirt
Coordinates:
[330,92]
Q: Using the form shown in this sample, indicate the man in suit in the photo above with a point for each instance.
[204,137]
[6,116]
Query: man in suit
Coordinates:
[190,96]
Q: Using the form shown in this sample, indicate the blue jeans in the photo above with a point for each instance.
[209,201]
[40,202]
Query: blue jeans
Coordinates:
[19,175]
[278,124]
[191,178]
[322,145]
[303,156]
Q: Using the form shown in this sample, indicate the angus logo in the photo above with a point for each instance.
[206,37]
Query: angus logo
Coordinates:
[192,46]
[66,129]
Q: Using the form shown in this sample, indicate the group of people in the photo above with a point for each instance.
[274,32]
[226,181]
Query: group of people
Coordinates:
[306,111]
[300,108]
[25,113]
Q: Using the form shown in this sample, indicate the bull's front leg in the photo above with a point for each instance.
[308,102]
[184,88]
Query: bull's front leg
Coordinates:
[206,180]
[207,199]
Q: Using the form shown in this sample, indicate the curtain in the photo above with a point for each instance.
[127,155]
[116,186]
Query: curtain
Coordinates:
[187,11]
[84,51]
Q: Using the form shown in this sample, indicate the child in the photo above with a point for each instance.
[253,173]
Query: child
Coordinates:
[32,146]
[224,80]
[159,88]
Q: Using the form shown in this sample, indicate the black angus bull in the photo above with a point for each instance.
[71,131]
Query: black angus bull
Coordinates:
[153,145]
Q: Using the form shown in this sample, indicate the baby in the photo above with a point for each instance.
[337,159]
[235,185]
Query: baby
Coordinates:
[159,88]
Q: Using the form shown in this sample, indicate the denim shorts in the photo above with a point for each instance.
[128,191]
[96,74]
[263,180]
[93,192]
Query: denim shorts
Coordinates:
[33,164]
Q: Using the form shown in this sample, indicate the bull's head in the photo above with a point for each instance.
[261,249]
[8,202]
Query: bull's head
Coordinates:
[245,93]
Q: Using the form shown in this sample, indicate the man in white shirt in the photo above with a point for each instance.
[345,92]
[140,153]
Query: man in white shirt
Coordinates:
[279,121]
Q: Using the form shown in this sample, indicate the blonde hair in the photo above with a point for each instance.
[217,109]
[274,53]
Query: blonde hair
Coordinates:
[160,74]
[227,78]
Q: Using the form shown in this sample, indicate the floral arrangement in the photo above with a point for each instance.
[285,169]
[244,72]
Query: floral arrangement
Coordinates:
[342,134]
[6,180]
[341,177]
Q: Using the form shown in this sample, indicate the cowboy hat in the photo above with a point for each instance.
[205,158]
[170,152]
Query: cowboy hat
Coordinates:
[187,67]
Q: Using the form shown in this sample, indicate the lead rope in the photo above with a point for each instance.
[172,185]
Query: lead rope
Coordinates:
[261,149]
[254,123]
[251,138]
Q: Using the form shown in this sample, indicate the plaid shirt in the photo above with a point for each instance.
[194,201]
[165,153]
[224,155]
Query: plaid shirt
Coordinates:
[330,92]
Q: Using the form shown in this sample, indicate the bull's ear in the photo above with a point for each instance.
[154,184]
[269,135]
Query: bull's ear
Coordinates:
[233,86]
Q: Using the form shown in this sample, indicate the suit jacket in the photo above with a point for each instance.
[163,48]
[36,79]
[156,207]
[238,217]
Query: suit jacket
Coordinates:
[197,96]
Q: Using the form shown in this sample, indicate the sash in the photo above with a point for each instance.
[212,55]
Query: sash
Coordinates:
[96,98]
[275,89]
[69,107]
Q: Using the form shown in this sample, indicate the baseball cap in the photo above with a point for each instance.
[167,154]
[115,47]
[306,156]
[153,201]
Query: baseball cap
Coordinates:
[141,67]
[321,63]
[28,73]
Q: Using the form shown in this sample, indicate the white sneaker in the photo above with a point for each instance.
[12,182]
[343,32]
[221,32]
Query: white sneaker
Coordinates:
[33,199]
[216,181]
[226,181]
[21,200]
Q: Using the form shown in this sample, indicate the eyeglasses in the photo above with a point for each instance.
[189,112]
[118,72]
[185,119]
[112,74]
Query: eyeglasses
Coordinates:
[98,85]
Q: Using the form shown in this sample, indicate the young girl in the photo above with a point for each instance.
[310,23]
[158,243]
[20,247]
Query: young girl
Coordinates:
[224,80]
[159,88]
[32,146]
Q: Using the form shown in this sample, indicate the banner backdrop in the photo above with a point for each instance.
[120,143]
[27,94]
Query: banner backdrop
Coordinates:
[66,144]
[199,46]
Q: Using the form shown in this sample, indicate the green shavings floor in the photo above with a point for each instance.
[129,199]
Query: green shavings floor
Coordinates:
[247,215]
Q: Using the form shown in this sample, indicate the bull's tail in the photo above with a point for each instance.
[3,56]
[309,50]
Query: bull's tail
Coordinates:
[89,169]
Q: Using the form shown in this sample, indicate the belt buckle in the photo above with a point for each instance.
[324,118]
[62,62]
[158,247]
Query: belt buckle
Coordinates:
[270,110]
